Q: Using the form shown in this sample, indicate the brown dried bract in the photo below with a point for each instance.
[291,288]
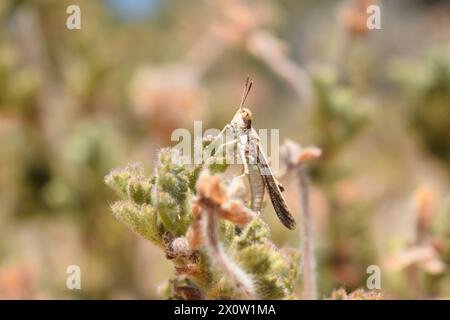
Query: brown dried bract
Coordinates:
[188,269]
[354,17]
[212,194]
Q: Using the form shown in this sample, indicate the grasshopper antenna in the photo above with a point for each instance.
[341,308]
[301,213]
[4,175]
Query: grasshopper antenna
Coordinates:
[247,88]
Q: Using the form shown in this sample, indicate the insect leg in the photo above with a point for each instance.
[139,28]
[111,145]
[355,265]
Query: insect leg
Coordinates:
[218,154]
[227,144]
[213,143]
[244,160]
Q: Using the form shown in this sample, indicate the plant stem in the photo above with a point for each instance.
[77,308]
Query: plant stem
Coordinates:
[231,270]
[307,243]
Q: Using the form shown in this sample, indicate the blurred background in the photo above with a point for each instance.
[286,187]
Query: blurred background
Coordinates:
[76,103]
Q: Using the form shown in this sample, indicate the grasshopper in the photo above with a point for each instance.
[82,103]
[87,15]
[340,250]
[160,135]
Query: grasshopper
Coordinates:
[256,167]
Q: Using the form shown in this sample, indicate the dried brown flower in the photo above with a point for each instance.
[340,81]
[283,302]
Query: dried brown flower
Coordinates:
[211,192]
[354,17]
[188,269]
[424,256]
[210,204]
[358,294]
[426,208]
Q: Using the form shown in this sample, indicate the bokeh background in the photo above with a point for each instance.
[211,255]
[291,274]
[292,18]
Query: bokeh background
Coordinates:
[76,103]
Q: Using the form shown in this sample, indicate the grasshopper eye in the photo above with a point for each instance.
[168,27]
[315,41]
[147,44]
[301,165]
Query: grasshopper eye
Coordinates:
[246,115]
[246,118]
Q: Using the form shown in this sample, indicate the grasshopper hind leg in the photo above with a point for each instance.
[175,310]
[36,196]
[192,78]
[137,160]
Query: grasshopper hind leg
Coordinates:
[256,189]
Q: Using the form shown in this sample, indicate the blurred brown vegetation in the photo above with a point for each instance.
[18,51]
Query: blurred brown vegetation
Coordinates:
[76,103]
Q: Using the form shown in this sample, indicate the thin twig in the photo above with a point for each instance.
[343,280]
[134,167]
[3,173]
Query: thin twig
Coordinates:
[268,48]
[295,158]
[231,270]
[306,234]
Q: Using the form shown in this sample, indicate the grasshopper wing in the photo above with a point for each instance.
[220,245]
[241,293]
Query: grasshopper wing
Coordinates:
[278,202]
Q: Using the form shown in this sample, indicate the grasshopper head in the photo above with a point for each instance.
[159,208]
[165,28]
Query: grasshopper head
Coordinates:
[242,119]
